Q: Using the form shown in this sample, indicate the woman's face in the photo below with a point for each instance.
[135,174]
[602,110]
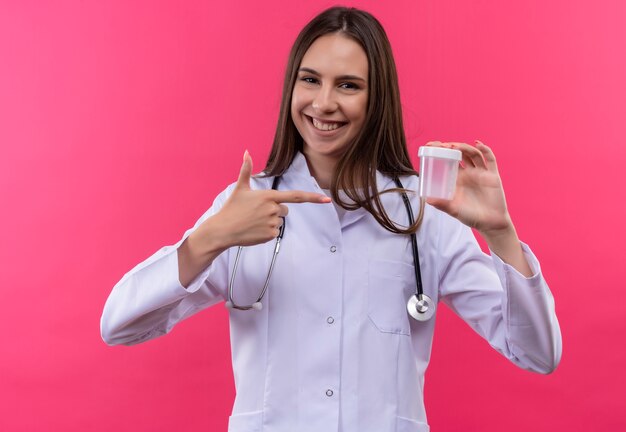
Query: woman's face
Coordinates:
[329,100]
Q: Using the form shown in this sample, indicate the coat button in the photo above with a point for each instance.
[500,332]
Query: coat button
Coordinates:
[333,249]
[329,392]
[330,320]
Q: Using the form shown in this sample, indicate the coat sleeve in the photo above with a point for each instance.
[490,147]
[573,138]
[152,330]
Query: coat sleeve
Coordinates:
[149,300]
[515,314]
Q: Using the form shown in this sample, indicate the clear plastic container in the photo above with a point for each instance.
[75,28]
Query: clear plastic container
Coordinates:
[439,168]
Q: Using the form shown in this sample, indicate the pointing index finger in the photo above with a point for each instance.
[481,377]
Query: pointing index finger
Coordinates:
[299,197]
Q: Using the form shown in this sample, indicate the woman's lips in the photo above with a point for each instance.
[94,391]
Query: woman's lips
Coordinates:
[325,125]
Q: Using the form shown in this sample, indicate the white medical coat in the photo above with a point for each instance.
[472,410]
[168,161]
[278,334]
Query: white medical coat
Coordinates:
[333,348]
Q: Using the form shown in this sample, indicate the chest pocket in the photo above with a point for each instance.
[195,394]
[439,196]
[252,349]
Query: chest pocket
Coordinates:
[390,284]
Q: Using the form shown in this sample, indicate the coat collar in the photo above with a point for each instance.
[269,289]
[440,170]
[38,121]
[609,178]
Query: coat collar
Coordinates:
[300,169]
[299,173]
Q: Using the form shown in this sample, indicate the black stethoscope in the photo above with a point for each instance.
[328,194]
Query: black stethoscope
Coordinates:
[420,306]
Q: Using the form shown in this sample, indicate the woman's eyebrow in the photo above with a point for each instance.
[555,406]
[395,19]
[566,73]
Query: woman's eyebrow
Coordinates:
[342,77]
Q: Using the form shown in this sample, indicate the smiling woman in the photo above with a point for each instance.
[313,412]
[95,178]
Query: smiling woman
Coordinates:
[329,102]
[342,67]
[332,346]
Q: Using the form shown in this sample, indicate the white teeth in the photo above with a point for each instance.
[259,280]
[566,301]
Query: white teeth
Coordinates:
[324,126]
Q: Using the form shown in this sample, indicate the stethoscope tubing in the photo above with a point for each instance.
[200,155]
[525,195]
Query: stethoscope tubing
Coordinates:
[257,305]
[416,265]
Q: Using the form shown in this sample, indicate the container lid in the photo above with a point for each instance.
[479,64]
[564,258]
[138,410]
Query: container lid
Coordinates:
[439,152]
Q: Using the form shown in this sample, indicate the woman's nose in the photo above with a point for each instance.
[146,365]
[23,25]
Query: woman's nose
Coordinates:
[324,100]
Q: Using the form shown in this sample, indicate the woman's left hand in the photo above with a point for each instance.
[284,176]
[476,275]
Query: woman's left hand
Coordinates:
[479,200]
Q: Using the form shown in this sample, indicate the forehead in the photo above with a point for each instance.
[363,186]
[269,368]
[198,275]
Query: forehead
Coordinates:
[335,54]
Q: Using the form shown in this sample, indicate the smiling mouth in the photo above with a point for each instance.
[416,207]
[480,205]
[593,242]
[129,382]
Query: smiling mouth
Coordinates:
[325,125]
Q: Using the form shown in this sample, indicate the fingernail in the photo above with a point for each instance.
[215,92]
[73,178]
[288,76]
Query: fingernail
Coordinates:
[245,154]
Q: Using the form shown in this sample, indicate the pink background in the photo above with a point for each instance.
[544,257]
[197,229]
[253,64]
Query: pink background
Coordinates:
[121,120]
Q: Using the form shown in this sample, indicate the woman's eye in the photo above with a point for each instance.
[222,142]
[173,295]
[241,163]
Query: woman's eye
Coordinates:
[309,80]
[349,86]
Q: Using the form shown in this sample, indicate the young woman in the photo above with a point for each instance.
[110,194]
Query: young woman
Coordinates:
[331,346]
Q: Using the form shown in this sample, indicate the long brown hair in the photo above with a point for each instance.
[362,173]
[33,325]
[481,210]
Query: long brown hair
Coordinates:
[381,143]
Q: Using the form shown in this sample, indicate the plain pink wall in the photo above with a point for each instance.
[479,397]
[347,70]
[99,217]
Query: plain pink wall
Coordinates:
[121,120]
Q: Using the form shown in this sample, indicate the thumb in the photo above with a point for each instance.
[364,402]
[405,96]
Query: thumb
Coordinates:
[243,182]
[439,204]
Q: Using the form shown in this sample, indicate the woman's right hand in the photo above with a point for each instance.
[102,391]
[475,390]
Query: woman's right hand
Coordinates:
[251,217]
[248,217]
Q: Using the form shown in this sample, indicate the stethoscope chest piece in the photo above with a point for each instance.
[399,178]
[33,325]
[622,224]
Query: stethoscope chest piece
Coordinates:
[421,307]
